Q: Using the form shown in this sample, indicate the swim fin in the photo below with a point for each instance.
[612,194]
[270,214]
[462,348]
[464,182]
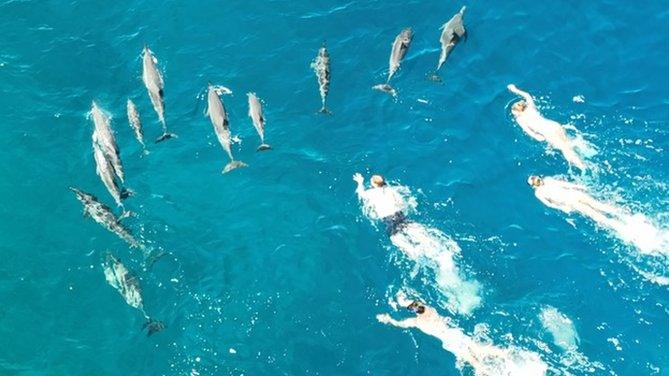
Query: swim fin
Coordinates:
[165,136]
[125,193]
[386,88]
[153,326]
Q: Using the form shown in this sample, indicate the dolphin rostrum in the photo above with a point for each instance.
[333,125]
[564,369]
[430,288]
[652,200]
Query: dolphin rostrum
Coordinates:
[219,119]
[452,32]
[321,66]
[105,138]
[135,123]
[127,284]
[103,215]
[256,115]
[397,53]
[154,85]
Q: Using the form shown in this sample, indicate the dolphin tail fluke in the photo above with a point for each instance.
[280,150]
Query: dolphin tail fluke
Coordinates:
[263,147]
[324,111]
[153,326]
[165,136]
[386,88]
[233,165]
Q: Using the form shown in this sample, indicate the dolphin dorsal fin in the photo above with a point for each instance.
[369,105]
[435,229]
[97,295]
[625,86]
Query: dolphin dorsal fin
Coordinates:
[460,30]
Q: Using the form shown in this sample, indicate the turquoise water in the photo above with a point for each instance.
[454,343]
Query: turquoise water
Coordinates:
[273,269]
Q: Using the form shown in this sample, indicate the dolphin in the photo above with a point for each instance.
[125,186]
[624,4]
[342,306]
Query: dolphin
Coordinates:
[452,32]
[106,140]
[154,85]
[321,66]
[127,284]
[135,123]
[105,170]
[256,115]
[103,215]
[397,53]
[219,119]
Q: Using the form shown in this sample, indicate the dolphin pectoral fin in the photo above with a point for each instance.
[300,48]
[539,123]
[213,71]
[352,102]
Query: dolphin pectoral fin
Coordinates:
[263,147]
[166,136]
[233,165]
[153,326]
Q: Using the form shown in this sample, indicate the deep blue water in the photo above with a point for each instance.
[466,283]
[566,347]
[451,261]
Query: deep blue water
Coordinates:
[276,261]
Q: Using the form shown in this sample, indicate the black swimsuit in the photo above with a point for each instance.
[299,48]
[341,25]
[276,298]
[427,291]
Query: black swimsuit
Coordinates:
[395,223]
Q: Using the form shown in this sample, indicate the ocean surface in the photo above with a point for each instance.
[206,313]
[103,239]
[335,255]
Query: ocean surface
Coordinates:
[274,269]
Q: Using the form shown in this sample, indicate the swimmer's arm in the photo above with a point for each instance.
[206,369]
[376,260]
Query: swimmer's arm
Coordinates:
[526,96]
[547,201]
[360,189]
[405,324]
[569,185]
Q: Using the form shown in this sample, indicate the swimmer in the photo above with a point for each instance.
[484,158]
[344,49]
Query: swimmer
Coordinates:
[541,129]
[425,245]
[569,197]
[383,201]
[485,359]
[634,228]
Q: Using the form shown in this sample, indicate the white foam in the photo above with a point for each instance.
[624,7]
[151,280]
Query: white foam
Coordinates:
[584,148]
[564,334]
[560,327]
[490,360]
[638,230]
[433,249]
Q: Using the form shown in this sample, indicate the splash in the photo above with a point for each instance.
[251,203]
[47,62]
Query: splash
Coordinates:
[560,327]
[638,230]
[584,148]
[564,334]
[435,250]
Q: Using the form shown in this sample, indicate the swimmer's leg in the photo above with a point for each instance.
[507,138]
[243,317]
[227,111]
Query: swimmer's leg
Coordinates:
[598,216]
[603,207]
[404,243]
[405,324]
[572,157]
